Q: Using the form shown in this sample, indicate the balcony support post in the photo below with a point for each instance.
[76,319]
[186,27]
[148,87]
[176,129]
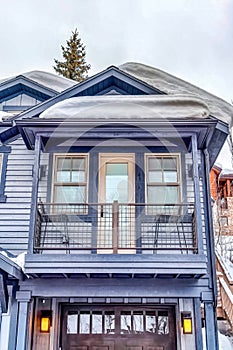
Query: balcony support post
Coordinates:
[35,185]
[198,211]
[115,226]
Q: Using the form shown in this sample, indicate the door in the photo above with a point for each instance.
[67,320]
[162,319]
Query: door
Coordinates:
[116,231]
[118,328]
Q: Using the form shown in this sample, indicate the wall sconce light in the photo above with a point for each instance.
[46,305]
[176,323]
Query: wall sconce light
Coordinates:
[45,321]
[186,319]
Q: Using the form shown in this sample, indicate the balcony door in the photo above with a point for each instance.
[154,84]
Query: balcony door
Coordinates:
[116,232]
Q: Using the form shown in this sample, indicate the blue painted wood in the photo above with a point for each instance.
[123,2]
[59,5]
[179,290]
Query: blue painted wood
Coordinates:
[5,150]
[115,288]
[197,195]
[13,320]
[22,330]
[210,327]
[198,324]
[209,231]
[34,198]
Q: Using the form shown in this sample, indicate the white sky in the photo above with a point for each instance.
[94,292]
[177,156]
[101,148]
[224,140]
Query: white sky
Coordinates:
[191,39]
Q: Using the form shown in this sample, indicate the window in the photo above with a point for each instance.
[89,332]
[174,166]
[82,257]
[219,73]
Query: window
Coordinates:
[70,179]
[163,179]
[223,221]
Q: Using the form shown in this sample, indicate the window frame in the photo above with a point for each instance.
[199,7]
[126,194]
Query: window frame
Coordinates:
[178,183]
[56,156]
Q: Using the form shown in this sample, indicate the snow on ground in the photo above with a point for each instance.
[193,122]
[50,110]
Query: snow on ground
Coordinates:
[225,343]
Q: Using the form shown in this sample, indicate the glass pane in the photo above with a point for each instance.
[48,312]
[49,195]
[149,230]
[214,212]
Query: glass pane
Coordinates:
[84,323]
[70,194]
[78,164]
[150,322]
[154,163]
[78,176]
[96,322]
[169,163]
[171,195]
[155,176]
[109,322]
[117,182]
[72,324]
[63,163]
[170,176]
[138,322]
[63,176]
[116,169]
[163,325]
[163,195]
[125,323]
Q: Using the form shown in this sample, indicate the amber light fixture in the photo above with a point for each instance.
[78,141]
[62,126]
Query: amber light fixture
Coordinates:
[45,321]
[187,324]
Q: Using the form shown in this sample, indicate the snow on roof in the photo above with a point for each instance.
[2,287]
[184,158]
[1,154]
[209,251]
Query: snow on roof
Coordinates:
[227,265]
[49,80]
[5,115]
[124,107]
[226,173]
[173,85]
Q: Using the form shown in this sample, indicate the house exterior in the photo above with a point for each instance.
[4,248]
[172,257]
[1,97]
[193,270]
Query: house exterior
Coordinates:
[105,189]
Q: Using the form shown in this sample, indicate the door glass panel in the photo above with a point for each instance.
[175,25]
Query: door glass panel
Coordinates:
[96,322]
[150,322]
[84,323]
[109,322]
[126,322]
[72,323]
[117,182]
[138,322]
[163,325]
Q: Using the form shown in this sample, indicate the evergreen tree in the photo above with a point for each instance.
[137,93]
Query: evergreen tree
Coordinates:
[74,65]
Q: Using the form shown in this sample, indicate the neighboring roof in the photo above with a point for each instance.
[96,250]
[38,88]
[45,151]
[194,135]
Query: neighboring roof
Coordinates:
[172,85]
[226,174]
[128,107]
[48,80]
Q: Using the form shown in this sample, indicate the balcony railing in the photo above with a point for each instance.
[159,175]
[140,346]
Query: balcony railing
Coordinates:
[115,228]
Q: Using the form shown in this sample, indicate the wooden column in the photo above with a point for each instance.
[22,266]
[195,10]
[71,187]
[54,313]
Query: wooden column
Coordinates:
[198,325]
[211,335]
[13,318]
[197,196]
[115,226]
[35,185]
[22,327]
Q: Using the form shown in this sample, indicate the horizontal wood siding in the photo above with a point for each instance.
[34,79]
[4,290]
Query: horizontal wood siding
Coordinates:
[15,213]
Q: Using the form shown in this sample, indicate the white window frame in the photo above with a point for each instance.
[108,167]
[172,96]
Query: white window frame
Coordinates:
[55,183]
[179,180]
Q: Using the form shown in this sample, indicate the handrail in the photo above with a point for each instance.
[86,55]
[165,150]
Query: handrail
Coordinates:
[116,227]
[227,299]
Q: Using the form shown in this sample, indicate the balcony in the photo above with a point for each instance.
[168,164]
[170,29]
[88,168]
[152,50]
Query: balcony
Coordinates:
[112,240]
[115,228]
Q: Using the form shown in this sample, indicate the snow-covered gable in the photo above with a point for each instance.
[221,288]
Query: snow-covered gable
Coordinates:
[173,86]
[49,80]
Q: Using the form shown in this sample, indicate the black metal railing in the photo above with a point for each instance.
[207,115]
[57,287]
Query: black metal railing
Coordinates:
[115,228]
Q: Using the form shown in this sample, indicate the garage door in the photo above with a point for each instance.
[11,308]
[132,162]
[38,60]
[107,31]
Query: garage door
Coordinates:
[118,328]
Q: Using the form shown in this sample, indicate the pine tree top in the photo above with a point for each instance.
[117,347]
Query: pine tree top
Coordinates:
[74,65]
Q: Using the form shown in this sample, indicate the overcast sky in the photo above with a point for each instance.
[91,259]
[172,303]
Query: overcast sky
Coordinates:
[191,39]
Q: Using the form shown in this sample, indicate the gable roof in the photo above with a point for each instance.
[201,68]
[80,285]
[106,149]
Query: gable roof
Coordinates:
[172,85]
[101,83]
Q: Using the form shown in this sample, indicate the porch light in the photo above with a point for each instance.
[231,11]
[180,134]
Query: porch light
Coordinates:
[186,320]
[45,321]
